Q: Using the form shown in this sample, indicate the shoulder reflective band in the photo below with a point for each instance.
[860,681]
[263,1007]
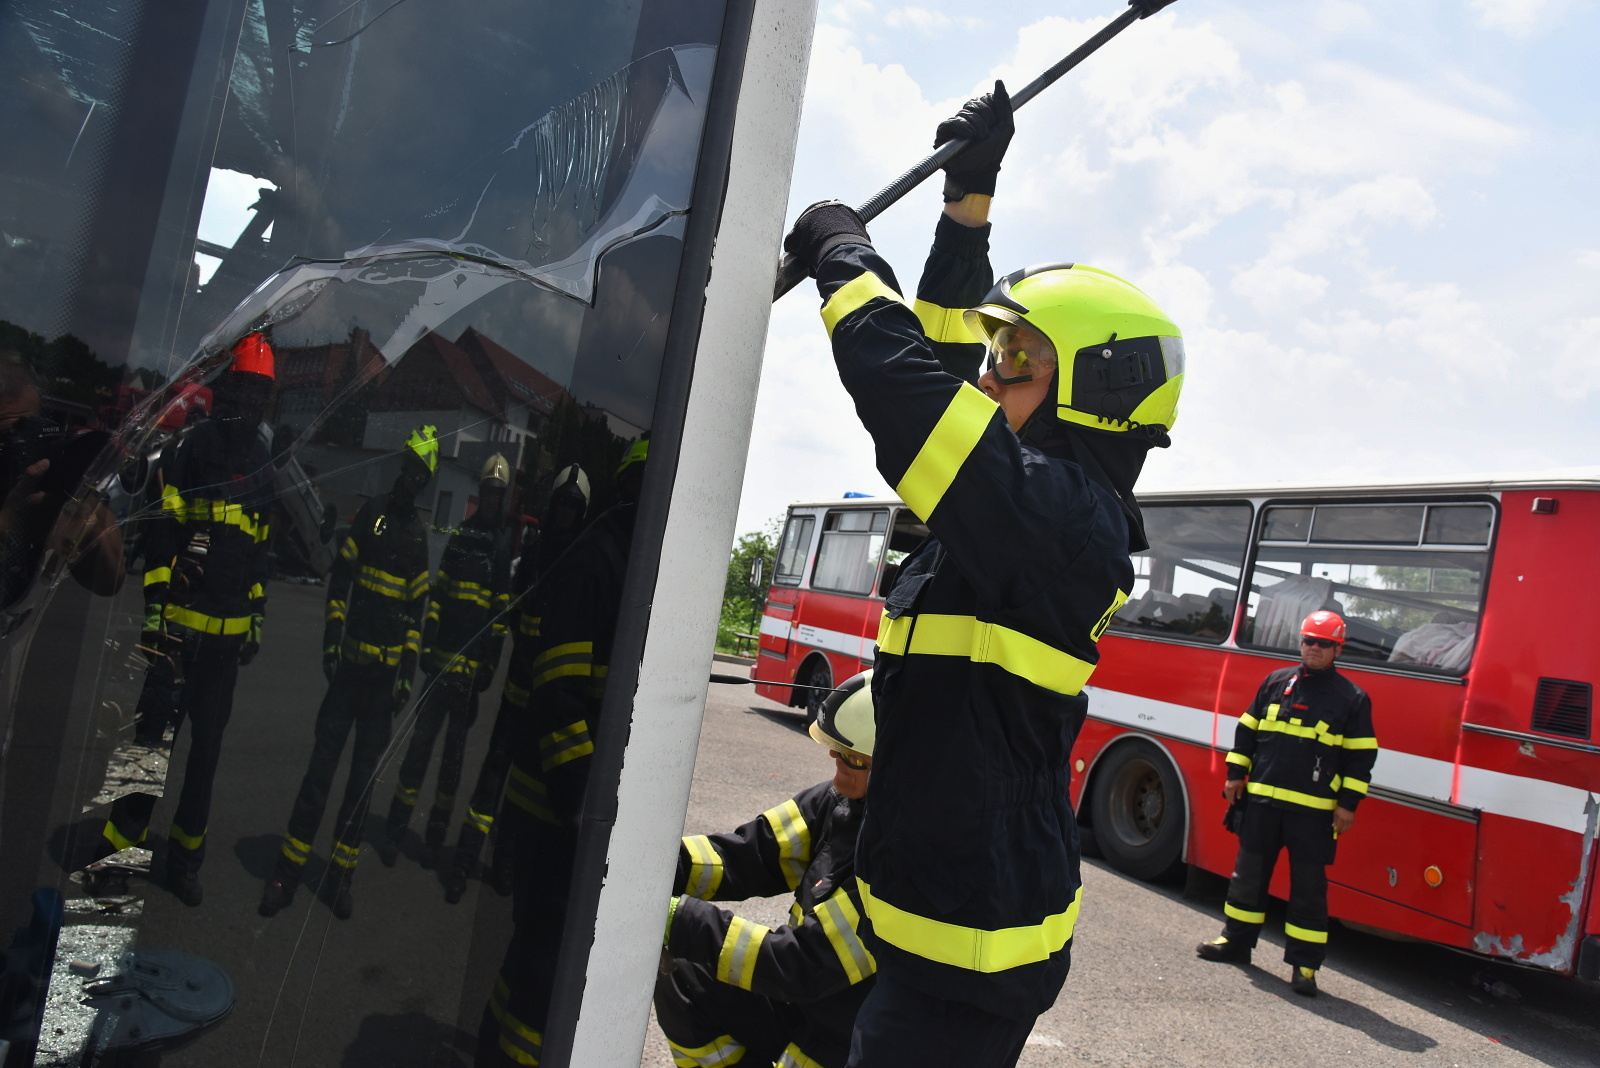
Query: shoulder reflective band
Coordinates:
[736,962]
[794,840]
[705,867]
[944,324]
[970,947]
[853,294]
[1294,797]
[839,918]
[986,643]
[945,450]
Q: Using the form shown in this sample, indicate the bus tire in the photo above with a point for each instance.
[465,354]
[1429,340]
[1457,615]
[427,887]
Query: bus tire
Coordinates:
[1138,812]
[816,675]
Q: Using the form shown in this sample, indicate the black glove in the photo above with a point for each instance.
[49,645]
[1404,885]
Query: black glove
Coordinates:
[822,227]
[330,662]
[252,642]
[986,122]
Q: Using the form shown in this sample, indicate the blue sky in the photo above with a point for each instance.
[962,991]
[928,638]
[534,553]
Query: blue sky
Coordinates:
[1375,223]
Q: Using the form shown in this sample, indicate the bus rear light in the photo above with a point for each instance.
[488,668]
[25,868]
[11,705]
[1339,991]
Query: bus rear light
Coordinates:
[1562,706]
[1545,505]
[1433,876]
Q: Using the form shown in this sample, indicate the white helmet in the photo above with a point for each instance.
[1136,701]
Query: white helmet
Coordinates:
[846,723]
[496,471]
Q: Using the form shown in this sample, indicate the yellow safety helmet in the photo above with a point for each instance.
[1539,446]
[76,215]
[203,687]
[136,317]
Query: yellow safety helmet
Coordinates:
[496,471]
[1119,357]
[637,453]
[424,445]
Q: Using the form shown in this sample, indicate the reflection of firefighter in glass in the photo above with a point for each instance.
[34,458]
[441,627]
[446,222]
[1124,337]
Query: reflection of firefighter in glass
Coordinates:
[377,594]
[563,672]
[461,643]
[563,519]
[207,565]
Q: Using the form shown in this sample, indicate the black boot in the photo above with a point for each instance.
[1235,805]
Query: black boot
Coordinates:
[279,891]
[184,882]
[433,839]
[339,896]
[1222,951]
[1303,981]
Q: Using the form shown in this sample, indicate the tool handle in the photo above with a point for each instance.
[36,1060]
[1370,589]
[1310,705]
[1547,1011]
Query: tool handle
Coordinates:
[791,272]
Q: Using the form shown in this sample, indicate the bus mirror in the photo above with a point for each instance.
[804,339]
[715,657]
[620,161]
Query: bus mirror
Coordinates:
[757,572]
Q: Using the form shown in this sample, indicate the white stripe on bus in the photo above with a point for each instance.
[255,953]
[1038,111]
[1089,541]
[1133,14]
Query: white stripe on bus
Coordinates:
[775,628]
[1516,796]
[856,645]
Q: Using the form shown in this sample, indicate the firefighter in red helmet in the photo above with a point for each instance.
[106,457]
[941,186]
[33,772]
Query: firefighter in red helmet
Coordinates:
[1302,760]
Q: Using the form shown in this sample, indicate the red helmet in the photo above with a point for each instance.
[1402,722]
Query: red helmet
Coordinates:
[253,355]
[1323,625]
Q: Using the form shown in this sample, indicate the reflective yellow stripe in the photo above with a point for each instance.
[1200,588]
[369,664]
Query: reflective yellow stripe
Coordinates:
[120,840]
[569,743]
[985,643]
[380,581]
[736,961]
[349,551]
[256,592]
[1361,743]
[529,794]
[945,450]
[852,295]
[970,947]
[944,324]
[1242,916]
[1354,785]
[839,918]
[515,695]
[1278,793]
[1318,733]
[191,842]
[1241,760]
[477,820]
[207,624]
[296,850]
[406,795]
[360,652]
[529,625]
[1249,721]
[560,661]
[705,867]
[345,856]
[157,574]
[1272,711]
[794,1057]
[722,1050]
[1304,934]
[517,1040]
[794,840]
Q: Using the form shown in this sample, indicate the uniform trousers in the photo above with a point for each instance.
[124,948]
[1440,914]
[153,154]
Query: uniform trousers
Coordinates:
[708,1022]
[899,1026]
[361,696]
[449,701]
[484,807]
[1308,836]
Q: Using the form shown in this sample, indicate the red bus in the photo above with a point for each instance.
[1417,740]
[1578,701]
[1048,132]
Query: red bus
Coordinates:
[1471,625]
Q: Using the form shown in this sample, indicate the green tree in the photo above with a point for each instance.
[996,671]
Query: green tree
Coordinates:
[742,604]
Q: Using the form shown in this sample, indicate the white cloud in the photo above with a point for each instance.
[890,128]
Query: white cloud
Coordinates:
[1278,288]
[1588,258]
[1520,18]
[1574,370]
[925,21]
[848,12]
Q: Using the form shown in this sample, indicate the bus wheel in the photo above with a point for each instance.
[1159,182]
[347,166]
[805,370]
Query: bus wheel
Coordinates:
[817,676]
[1137,810]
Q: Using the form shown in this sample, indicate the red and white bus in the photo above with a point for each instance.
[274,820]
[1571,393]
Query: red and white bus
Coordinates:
[1471,608]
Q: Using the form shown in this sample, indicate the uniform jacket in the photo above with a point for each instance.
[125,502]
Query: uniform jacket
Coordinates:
[1306,742]
[988,637]
[805,847]
[378,588]
[469,600]
[208,563]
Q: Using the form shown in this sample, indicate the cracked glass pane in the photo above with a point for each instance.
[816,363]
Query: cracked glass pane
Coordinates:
[340,326]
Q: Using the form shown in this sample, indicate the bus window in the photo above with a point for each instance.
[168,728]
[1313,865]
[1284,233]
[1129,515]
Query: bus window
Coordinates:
[792,550]
[1187,582]
[1408,579]
[852,545]
[907,534]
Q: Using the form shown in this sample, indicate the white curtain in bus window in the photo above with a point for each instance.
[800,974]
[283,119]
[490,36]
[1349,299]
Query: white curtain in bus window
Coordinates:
[791,564]
[1186,584]
[852,546]
[1408,578]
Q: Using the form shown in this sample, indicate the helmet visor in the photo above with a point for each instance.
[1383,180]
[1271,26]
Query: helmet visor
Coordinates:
[1017,352]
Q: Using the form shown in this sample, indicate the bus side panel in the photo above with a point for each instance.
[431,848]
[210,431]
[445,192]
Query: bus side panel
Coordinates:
[845,628]
[1388,852]
[778,657]
[1537,920]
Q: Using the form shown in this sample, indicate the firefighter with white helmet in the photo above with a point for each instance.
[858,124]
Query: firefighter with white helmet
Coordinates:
[1025,479]
[1302,760]
[463,633]
[740,991]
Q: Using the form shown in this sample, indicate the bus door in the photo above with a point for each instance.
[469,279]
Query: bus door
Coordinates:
[788,570]
[849,555]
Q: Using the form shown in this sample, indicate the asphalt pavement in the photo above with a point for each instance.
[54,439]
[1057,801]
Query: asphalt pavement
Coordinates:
[1137,994]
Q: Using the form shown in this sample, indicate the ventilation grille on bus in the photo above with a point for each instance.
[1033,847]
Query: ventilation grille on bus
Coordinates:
[1562,707]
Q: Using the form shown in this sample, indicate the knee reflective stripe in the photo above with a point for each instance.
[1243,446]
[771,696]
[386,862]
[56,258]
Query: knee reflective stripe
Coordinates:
[296,851]
[838,917]
[1235,913]
[939,459]
[568,743]
[120,840]
[724,1049]
[478,821]
[191,842]
[972,948]
[1240,759]
[1305,934]
[794,840]
[518,1041]
[985,643]
[573,658]
[1295,797]
[854,294]
[345,855]
[944,324]
[794,1057]
[529,794]
[736,962]
[705,867]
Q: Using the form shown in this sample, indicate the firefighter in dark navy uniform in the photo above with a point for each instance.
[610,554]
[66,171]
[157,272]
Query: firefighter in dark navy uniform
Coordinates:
[989,633]
[464,631]
[377,595]
[1302,758]
[737,991]
[205,600]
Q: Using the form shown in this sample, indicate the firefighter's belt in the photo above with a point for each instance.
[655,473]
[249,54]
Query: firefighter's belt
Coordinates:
[359,652]
[206,624]
[985,643]
[970,947]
